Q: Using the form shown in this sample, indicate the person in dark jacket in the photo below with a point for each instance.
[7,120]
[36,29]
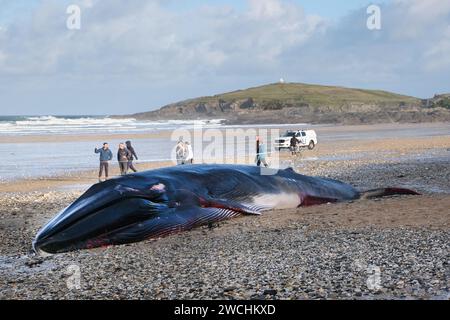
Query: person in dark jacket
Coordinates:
[122,158]
[293,145]
[105,156]
[132,155]
[262,154]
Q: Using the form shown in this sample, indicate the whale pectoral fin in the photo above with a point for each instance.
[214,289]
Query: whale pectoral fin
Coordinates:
[229,205]
[308,200]
[187,198]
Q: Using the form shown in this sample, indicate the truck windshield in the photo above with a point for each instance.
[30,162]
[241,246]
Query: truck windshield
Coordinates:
[289,134]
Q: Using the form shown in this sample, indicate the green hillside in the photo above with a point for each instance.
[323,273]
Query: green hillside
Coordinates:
[315,95]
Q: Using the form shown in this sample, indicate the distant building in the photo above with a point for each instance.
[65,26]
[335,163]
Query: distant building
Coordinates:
[282,81]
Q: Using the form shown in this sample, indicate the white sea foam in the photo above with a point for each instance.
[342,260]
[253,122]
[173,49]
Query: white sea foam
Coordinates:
[87,125]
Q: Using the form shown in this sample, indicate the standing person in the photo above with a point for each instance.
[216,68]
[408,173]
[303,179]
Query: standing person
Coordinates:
[258,163]
[122,158]
[105,156]
[131,156]
[180,152]
[294,142]
[257,144]
[190,153]
[262,154]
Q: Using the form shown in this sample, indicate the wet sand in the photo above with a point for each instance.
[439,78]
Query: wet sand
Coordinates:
[390,248]
[381,130]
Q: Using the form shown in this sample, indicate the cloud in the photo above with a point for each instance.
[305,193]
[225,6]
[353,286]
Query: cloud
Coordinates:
[411,46]
[2,58]
[211,48]
[145,38]
[438,55]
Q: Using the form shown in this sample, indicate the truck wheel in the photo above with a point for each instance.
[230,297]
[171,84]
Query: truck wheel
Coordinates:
[311,145]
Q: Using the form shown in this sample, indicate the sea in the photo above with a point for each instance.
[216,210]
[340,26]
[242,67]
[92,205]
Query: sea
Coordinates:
[26,160]
[41,125]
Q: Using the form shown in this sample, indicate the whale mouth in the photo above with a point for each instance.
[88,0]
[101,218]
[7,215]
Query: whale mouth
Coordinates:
[94,218]
[96,228]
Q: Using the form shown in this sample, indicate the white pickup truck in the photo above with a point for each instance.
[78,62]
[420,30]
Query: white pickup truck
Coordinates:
[305,138]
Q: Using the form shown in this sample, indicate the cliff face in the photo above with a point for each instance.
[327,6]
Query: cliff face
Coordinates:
[283,103]
[438,101]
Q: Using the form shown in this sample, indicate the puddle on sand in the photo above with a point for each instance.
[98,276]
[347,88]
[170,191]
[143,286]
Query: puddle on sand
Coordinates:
[342,157]
[23,265]
[74,187]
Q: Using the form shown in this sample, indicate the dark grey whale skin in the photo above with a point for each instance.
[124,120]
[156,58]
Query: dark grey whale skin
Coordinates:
[160,202]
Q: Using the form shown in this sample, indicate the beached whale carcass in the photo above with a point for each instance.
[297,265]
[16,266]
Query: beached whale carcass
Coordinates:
[160,202]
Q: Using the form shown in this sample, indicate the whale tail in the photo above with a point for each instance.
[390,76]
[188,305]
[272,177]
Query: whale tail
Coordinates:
[384,192]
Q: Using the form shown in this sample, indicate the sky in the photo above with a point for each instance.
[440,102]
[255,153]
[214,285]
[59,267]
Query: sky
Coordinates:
[133,56]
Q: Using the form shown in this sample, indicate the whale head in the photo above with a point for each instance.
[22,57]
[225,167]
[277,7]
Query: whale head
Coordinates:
[111,212]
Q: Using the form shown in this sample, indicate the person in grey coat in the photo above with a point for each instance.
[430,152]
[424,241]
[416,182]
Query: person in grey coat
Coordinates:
[105,156]
[122,157]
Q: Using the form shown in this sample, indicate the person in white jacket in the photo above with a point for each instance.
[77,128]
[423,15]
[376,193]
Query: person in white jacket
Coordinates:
[190,154]
[180,151]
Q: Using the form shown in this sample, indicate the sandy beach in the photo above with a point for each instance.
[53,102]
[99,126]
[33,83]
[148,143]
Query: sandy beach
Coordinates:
[390,248]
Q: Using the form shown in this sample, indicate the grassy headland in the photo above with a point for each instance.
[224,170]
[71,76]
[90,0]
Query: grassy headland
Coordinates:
[298,102]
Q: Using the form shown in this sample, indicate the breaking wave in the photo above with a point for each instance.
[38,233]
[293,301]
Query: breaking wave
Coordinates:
[88,125]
